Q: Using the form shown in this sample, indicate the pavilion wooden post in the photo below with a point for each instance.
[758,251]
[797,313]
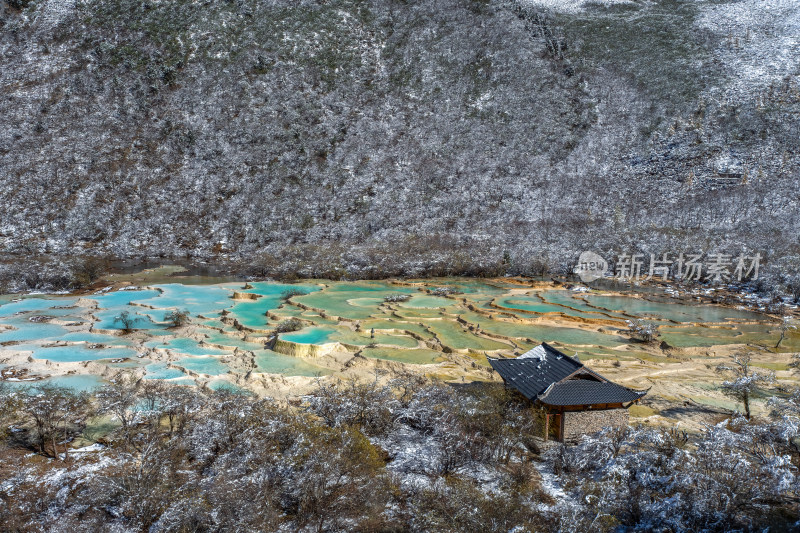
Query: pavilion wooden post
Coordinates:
[547,426]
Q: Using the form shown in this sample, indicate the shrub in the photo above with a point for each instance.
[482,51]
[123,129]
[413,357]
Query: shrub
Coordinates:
[460,505]
[392,298]
[127,321]
[291,293]
[9,405]
[18,4]
[444,291]
[87,271]
[642,331]
[177,318]
[290,324]
[54,414]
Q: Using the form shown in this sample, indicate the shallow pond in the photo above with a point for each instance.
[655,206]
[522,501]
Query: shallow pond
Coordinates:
[197,299]
[231,341]
[75,353]
[76,382]
[456,336]
[362,305]
[271,362]
[535,304]
[675,311]
[417,357]
[186,346]
[162,371]
[211,366]
[25,330]
[354,301]
[310,335]
[40,305]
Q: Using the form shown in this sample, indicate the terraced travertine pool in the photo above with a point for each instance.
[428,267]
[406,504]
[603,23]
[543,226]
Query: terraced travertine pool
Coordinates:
[449,323]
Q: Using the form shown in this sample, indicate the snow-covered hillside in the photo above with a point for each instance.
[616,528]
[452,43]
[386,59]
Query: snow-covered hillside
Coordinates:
[337,136]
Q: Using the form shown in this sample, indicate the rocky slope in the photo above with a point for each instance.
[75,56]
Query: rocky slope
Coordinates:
[347,134]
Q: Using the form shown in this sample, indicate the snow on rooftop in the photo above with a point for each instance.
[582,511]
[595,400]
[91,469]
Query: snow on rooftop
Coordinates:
[537,352]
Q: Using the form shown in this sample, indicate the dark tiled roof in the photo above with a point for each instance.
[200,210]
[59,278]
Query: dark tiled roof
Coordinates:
[586,392]
[531,376]
[544,367]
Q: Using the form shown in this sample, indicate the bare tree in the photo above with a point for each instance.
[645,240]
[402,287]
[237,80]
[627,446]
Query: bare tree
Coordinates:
[642,331]
[118,399]
[177,318]
[55,412]
[9,405]
[745,381]
[127,321]
[784,327]
[793,287]
[180,405]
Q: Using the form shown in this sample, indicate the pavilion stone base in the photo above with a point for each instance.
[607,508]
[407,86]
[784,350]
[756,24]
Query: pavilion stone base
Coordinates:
[579,423]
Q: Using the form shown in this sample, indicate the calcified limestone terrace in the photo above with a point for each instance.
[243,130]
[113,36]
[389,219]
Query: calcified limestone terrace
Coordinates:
[358,329]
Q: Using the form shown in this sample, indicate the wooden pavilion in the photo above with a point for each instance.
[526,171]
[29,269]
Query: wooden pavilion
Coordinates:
[574,399]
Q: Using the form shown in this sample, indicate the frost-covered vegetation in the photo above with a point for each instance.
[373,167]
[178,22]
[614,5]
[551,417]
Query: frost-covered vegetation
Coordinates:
[642,331]
[290,324]
[396,298]
[355,456]
[373,138]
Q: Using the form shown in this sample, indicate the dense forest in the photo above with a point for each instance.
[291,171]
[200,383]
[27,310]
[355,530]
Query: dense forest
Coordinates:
[387,137]
[410,455]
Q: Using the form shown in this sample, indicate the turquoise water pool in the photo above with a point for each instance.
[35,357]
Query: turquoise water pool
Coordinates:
[162,371]
[675,311]
[78,382]
[230,341]
[95,338]
[34,304]
[454,335]
[537,304]
[221,384]
[428,302]
[573,336]
[107,319]
[75,353]
[310,335]
[203,365]
[31,331]
[186,346]
[362,304]
[117,299]
[204,300]
[252,314]
[271,362]
[368,296]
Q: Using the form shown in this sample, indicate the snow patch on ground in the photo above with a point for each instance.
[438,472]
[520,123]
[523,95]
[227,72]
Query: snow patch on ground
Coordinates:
[413,455]
[574,6]
[63,476]
[54,11]
[96,447]
[550,482]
